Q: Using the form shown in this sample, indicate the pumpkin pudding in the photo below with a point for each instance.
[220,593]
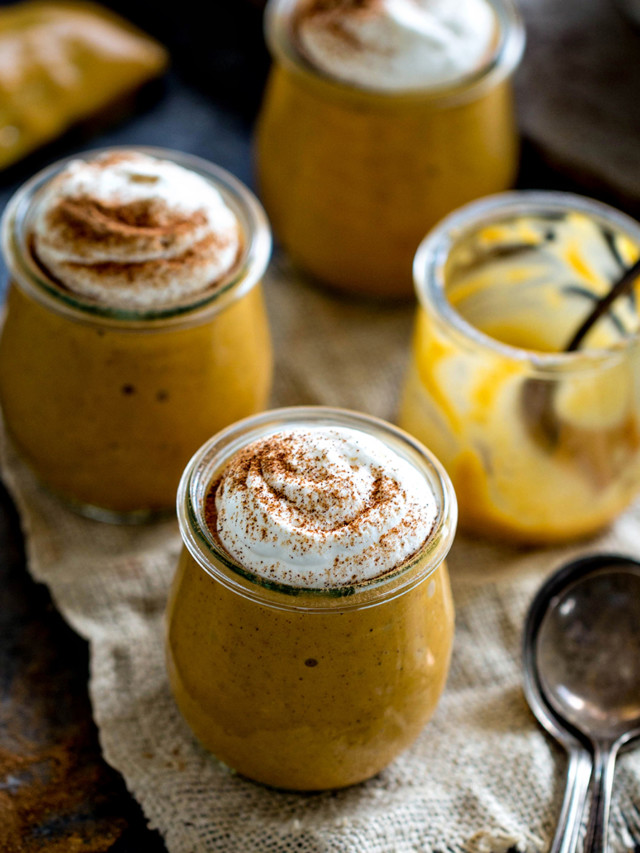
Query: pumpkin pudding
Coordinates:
[136,283]
[310,620]
[380,117]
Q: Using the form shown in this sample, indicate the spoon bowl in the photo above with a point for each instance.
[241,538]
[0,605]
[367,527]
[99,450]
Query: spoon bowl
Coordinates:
[589,652]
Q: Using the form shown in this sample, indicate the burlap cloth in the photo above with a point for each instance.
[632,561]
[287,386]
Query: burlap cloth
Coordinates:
[482,777]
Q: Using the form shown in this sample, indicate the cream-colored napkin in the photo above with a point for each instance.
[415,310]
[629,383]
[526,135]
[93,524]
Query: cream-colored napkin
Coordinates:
[482,777]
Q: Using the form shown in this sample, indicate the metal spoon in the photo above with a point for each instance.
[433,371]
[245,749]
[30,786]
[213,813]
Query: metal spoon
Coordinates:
[537,394]
[588,656]
[580,762]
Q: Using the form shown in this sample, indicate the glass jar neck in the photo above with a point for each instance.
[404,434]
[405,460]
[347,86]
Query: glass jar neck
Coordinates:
[26,273]
[207,464]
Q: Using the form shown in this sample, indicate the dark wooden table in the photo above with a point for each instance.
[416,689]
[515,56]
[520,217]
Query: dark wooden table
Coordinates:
[48,741]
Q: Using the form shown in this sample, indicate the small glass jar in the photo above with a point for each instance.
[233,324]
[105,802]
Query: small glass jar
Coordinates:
[541,445]
[353,178]
[107,405]
[307,689]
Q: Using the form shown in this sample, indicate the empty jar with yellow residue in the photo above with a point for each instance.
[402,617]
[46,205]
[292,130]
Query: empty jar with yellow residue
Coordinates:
[542,445]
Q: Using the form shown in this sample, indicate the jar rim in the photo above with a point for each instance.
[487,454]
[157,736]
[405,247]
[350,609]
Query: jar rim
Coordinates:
[200,307]
[432,253]
[502,61]
[207,553]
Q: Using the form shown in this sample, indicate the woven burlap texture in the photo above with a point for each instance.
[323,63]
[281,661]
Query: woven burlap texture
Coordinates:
[482,777]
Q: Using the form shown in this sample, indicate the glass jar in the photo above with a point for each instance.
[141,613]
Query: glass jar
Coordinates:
[107,405]
[307,689]
[542,445]
[353,178]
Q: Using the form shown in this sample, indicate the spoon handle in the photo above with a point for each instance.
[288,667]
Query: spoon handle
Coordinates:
[575,795]
[604,762]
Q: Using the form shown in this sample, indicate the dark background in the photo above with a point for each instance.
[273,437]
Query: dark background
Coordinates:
[56,792]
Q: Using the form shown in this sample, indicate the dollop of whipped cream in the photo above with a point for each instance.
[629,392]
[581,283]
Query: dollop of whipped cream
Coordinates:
[396,44]
[134,232]
[321,507]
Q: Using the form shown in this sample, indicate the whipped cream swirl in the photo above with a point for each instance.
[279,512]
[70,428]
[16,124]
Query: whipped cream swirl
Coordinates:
[321,507]
[396,44]
[135,232]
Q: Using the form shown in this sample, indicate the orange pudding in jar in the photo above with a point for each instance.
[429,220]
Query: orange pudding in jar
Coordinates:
[135,325]
[310,621]
[381,116]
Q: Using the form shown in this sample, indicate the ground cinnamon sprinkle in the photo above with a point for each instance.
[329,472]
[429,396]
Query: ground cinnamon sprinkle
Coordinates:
[290,480]
[210,511]
[325,7]
[89,240]
[333,13]
[319,508]
[86,217]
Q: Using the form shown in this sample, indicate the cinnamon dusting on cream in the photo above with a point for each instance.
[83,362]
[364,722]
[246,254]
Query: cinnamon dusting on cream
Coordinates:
[320,507]
[331,15]
[132,231]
